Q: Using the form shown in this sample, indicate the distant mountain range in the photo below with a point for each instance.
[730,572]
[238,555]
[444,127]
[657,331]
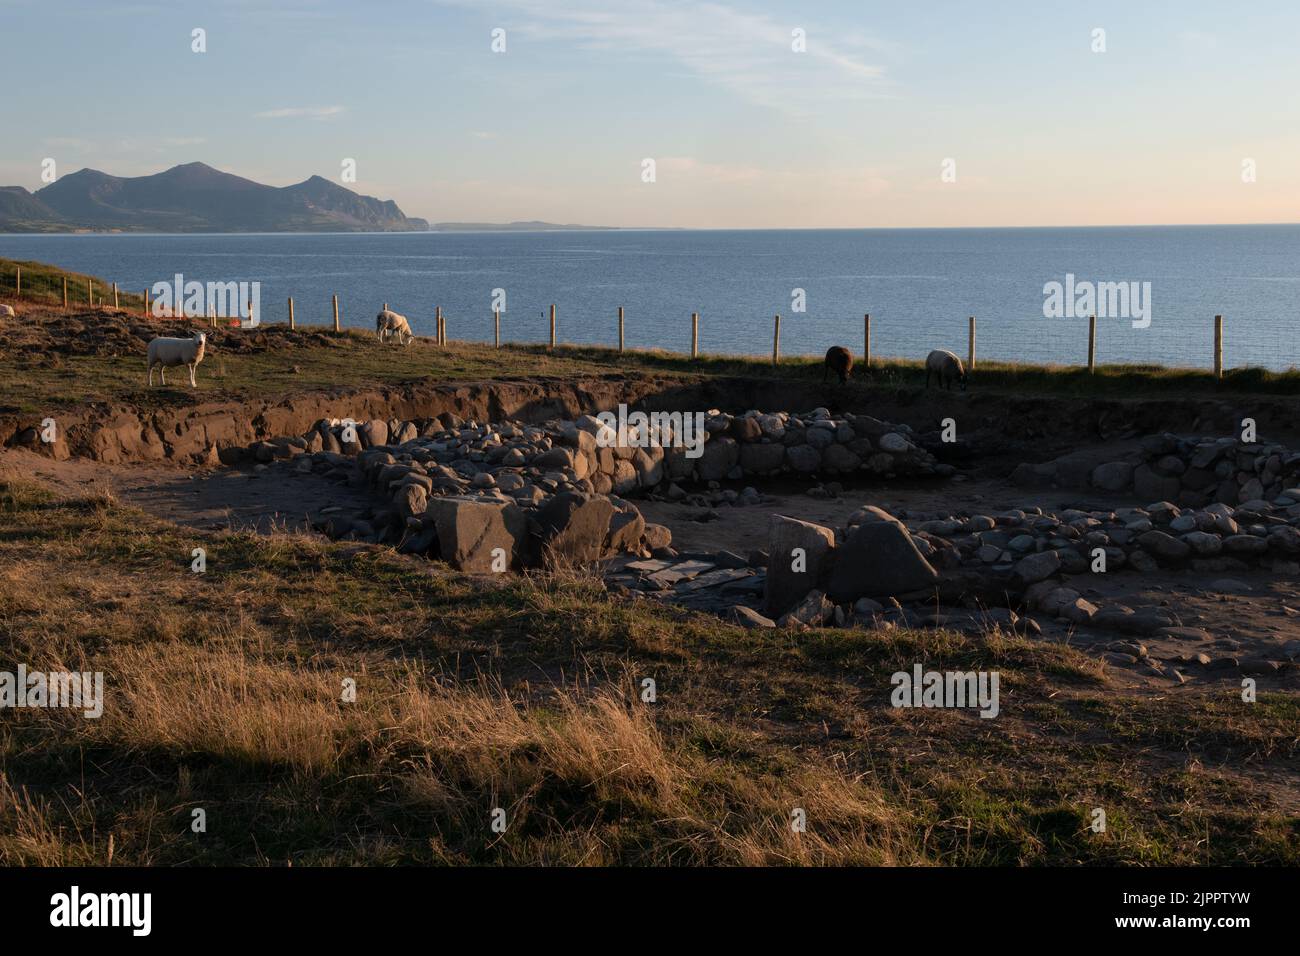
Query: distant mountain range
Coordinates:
[195,198]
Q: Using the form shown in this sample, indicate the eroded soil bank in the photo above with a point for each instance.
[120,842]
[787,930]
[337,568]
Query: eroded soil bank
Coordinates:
[994,430]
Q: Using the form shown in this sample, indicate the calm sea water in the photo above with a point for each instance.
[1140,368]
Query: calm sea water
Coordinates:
[919,285]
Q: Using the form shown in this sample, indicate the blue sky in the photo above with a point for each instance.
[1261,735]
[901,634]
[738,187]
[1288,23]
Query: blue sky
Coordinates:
[744,131]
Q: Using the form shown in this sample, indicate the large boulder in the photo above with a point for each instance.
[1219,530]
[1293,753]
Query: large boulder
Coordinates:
[837,458]
[720,455]
[1149,486]
[879,560]
[797,553]
[625,531]
[1112,476]
[373,433]
[759,459]
[470,530]
[572,528]
[803,458]
[1164,546]
[1037,567]
[411,500]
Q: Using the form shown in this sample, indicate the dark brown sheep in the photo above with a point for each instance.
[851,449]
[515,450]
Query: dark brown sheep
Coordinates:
[840,361]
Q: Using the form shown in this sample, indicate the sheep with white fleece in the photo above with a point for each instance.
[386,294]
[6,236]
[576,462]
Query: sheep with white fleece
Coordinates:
[388,322]
[947,367]
[169,353]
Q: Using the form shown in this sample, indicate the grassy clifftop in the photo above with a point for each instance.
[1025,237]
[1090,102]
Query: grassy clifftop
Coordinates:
[42,282]
[53,358]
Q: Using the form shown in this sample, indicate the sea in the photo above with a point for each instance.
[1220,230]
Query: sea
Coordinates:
[1155,289]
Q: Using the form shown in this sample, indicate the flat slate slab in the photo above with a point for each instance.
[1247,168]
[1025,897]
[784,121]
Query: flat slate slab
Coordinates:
[648,566]
[683,571]
[714,578]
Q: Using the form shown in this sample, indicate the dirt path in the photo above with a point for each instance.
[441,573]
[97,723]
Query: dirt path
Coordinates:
[209,498]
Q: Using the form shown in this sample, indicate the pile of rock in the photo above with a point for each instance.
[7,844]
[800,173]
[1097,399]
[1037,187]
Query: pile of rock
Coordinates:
[734,447]
[818,442]
[443,480]
[1021,547]
[1191,472]
[1014,555]
[461,494]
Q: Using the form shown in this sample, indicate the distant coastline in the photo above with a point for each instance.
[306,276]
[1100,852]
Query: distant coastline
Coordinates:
[537,225]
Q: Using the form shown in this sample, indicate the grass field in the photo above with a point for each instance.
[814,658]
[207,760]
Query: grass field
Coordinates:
[223,694]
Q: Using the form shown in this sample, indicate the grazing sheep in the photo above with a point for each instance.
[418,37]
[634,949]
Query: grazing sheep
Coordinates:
[947,367]
[838,360]
[389,323]
[168,353]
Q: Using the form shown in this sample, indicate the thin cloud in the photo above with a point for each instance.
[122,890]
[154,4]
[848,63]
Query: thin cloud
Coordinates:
[69,142]
[691,168]
[311,112]
[748,53]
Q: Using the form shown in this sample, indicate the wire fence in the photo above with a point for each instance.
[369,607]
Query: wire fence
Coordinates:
[31,282]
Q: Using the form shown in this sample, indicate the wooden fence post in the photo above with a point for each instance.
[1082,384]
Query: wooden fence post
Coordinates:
[90,292]
[65,292]
[970,359]
[1092,344]
[496,327]
[552,325]
[866,341]
[437,325]
[336,312]
[146,302]
[1218,348]
[291,322]
[695,335]
[620,328]
[115,305]
[776,340]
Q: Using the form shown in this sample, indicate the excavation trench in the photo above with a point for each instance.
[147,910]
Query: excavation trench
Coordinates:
[993,430]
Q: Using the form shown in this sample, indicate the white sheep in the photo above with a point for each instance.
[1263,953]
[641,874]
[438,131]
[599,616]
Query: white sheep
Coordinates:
[168,353]
[389,323]
[947,367]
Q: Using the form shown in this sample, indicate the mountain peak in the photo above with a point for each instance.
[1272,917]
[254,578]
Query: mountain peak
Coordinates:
[195,197]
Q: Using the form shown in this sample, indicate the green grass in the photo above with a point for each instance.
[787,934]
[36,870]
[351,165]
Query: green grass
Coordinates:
[274,361]
[42,282]
[223,694]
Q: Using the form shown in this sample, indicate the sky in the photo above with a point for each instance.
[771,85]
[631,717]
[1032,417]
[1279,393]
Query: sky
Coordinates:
[926,113]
